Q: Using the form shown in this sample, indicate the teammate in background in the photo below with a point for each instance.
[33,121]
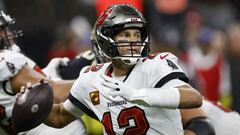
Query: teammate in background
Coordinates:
[16,70]
[126,95]
[225,121]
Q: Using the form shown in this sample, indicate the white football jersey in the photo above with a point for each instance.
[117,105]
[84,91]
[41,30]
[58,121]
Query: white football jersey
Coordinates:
[225,122]
[123,117]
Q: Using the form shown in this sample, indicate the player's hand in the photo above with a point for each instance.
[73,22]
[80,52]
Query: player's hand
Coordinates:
[24,90]
[22,95]
[117,88]
[52,69]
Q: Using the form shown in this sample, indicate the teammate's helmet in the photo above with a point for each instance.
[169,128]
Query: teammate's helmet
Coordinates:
[114,20]
[5,35]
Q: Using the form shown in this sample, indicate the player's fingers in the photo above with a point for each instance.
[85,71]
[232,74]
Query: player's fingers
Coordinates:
[29,85]
[109,85]
[22,89]
[114,97]
[114,93]
[106,78]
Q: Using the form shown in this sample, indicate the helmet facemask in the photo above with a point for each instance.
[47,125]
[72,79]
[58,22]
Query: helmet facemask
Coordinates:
[135,49]
[8,37]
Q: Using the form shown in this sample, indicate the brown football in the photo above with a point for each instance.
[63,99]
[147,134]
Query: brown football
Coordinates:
[32,107]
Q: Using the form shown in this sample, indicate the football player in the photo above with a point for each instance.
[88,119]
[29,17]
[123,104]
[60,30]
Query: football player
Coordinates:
[16,70]
[225,121]
[131,94]
[195,121]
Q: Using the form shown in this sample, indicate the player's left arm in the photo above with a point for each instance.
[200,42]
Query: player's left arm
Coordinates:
[182,96]
[189,97]
[26,74]
[59,116]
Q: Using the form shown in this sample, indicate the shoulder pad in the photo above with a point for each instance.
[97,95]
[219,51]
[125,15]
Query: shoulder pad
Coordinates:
[161,68]
[169,56]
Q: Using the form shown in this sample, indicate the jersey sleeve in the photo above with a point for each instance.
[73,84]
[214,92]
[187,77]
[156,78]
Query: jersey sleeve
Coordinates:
[78,96]
[30,62]
[70,107]
[163,68]
[10,64]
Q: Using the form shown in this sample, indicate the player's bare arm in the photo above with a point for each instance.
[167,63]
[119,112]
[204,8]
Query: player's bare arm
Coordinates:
[59,116]
[187,94]
[195,121]
[26,74]
[188,114]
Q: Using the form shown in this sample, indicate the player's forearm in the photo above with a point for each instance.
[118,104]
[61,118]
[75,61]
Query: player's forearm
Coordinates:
[61,89]
[59,117]
[25,75]
[189,97]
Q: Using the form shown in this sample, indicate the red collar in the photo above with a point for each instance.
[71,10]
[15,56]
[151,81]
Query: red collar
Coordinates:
[109,71]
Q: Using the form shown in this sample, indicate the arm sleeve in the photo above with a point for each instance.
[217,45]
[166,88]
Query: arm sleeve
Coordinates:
[78,98]
[70,107]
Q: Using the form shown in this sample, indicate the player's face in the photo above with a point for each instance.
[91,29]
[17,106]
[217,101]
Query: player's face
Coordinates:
[131,39]
[6,35]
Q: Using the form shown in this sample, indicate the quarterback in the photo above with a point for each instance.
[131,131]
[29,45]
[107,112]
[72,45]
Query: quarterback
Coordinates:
[126,95]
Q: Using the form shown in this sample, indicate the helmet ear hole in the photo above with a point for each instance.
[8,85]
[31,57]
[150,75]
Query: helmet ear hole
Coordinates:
[7,35]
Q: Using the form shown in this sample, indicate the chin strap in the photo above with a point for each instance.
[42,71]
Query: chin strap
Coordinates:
[130,61]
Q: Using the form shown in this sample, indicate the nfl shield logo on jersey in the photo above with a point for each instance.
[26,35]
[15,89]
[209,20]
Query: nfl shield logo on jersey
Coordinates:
[94,96]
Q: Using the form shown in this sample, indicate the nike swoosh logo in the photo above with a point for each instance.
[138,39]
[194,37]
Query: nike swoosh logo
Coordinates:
[164,56]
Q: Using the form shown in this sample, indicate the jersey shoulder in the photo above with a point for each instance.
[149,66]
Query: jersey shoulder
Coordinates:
[91,72]
[159,68]
[164,56]
[165,60]
[10,64]
[87,82]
